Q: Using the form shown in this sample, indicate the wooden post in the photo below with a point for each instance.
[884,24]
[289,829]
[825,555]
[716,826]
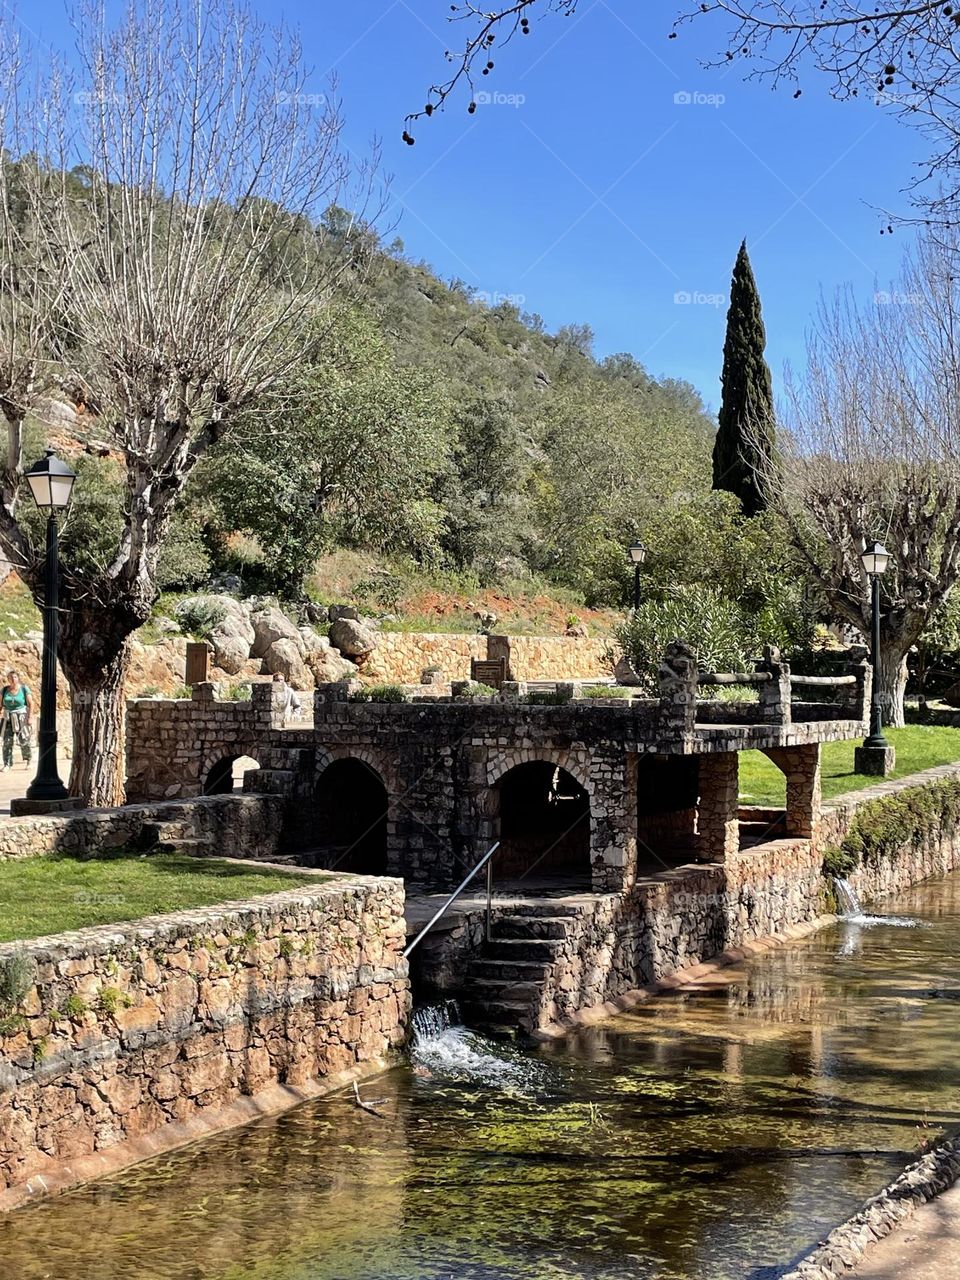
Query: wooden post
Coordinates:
[198,662]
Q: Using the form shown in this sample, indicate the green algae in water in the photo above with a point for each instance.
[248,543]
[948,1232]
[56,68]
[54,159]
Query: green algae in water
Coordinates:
[711,1135]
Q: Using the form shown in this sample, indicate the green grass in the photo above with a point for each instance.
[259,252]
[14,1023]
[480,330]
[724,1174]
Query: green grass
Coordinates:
[918,747]
[18,613]
[39,896]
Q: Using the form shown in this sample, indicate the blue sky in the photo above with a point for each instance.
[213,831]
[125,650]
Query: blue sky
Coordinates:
[589,194]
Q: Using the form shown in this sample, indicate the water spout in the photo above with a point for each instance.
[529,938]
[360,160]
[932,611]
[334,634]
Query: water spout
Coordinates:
[852,912]
[444,1049]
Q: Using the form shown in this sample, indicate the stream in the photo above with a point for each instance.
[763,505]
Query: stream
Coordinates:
[711,1134]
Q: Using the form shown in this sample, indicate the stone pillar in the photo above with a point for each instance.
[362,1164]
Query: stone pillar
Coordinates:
[678,693]
[718,822]
[613,821]
[801,767]
[775,692]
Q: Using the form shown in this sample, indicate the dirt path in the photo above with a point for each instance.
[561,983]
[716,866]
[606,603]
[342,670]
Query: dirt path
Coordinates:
[926,1247]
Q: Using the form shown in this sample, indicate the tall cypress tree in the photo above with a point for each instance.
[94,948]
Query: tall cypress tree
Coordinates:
[744,448]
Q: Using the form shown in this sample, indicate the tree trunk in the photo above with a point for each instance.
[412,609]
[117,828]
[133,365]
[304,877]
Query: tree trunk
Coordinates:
[94,654]
[891,676]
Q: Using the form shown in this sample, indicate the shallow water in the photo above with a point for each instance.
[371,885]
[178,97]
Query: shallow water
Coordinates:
[711,1135]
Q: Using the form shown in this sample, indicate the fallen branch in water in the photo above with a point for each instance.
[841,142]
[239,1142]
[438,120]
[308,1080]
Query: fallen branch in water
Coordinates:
[366,1106]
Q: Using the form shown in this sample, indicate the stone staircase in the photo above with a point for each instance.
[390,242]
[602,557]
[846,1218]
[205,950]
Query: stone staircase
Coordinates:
[508,985]
[171,835]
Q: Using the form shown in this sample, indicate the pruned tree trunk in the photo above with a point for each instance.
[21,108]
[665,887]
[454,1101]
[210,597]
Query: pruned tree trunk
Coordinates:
[891,676]
[95,661]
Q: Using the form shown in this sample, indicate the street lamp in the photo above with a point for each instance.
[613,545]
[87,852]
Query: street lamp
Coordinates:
[51,483]
[638,553]
[876,756]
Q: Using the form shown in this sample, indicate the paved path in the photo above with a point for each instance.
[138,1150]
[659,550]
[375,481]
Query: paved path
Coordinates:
[926,1247]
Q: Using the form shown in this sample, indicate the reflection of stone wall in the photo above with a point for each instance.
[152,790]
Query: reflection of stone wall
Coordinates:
[127,1029]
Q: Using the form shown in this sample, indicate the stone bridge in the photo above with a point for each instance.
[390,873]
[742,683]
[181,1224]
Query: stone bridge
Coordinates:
[590,792]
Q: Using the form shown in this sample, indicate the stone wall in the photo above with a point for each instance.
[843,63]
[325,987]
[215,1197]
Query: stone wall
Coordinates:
[146,1029]
[230,826]
[403,657]
[554,657]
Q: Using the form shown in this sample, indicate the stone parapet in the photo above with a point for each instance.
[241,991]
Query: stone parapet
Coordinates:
[124,1030]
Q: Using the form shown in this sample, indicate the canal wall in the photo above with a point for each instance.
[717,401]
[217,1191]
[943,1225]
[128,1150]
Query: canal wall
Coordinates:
[121,1041]
[889,837]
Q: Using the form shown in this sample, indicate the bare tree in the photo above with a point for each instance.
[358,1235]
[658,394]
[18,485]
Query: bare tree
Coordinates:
[193,162]
[875,453]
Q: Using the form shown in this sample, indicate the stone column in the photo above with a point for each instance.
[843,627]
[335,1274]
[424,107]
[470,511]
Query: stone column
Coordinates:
[801,766]
[718,821]
[775,692]
[677,676]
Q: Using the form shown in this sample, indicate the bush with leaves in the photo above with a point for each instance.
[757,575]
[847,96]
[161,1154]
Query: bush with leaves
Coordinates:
[722,636]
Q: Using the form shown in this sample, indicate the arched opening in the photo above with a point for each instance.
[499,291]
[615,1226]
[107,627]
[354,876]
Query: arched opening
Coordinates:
[227,775]
[351,818]
[544,827]
[668,788]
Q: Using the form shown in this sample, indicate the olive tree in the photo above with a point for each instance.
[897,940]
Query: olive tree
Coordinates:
[186,163]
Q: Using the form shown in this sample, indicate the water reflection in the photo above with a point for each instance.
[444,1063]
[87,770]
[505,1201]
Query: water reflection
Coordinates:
[710,1135]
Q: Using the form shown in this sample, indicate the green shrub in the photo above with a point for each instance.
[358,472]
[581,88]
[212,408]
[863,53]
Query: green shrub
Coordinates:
[606,691]
[17,974]
[239,692]
[547,698]
[181,692]
[150,691]
[731,692]
[719,632]
[838,863]
[380,693]
[200,615]
[477,690]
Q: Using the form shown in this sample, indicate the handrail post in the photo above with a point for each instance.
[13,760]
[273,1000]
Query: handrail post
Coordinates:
[489,894]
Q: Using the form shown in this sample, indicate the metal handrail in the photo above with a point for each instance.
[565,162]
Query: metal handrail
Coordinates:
[485,861]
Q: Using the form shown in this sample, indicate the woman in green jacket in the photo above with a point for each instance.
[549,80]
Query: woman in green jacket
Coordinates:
[17,701]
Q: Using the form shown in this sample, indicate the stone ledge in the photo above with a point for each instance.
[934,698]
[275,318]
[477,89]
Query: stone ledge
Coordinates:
[881,1214]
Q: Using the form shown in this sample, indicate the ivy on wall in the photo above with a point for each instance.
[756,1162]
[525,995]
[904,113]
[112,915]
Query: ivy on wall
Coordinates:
[881,827]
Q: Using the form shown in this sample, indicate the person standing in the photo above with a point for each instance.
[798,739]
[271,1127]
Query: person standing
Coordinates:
[17,701]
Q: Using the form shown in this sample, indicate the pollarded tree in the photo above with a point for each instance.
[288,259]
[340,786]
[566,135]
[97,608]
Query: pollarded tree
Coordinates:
[874,452]
[192,164]
[743,452]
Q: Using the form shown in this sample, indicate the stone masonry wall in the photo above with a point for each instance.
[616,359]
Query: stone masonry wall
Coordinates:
[402,657]
[229,826]
[554,657]
[129,1029]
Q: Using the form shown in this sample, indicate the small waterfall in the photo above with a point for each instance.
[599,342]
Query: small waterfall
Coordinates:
[432,1020]
[852,912]
[847,900]
[444,1049]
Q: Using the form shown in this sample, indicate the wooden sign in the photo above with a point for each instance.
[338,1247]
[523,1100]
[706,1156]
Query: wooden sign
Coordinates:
[198,663]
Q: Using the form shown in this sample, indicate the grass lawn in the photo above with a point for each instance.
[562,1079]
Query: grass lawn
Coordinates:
[918,747]
[39,896]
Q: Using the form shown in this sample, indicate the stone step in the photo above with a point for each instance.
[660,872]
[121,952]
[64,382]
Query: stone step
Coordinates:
[527,970]
[495,1014]
[550,907]
[483,991]
[511,949]
[517,926]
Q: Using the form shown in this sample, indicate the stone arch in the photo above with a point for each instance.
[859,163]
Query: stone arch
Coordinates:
[227,773]
[542,818]
[350,811]
[378,761]
[576,763]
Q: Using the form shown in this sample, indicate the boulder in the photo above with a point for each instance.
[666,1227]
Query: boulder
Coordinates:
[230,651]
[269,626]
[313,642]
[285,658]
[314,613]
[328,666]
[337,611]
[352,637]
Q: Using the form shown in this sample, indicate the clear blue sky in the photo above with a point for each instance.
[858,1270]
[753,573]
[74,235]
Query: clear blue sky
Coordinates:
[590,195]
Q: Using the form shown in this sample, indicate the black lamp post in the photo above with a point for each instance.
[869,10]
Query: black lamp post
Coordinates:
[876,755]
[638,553]
[51,483]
